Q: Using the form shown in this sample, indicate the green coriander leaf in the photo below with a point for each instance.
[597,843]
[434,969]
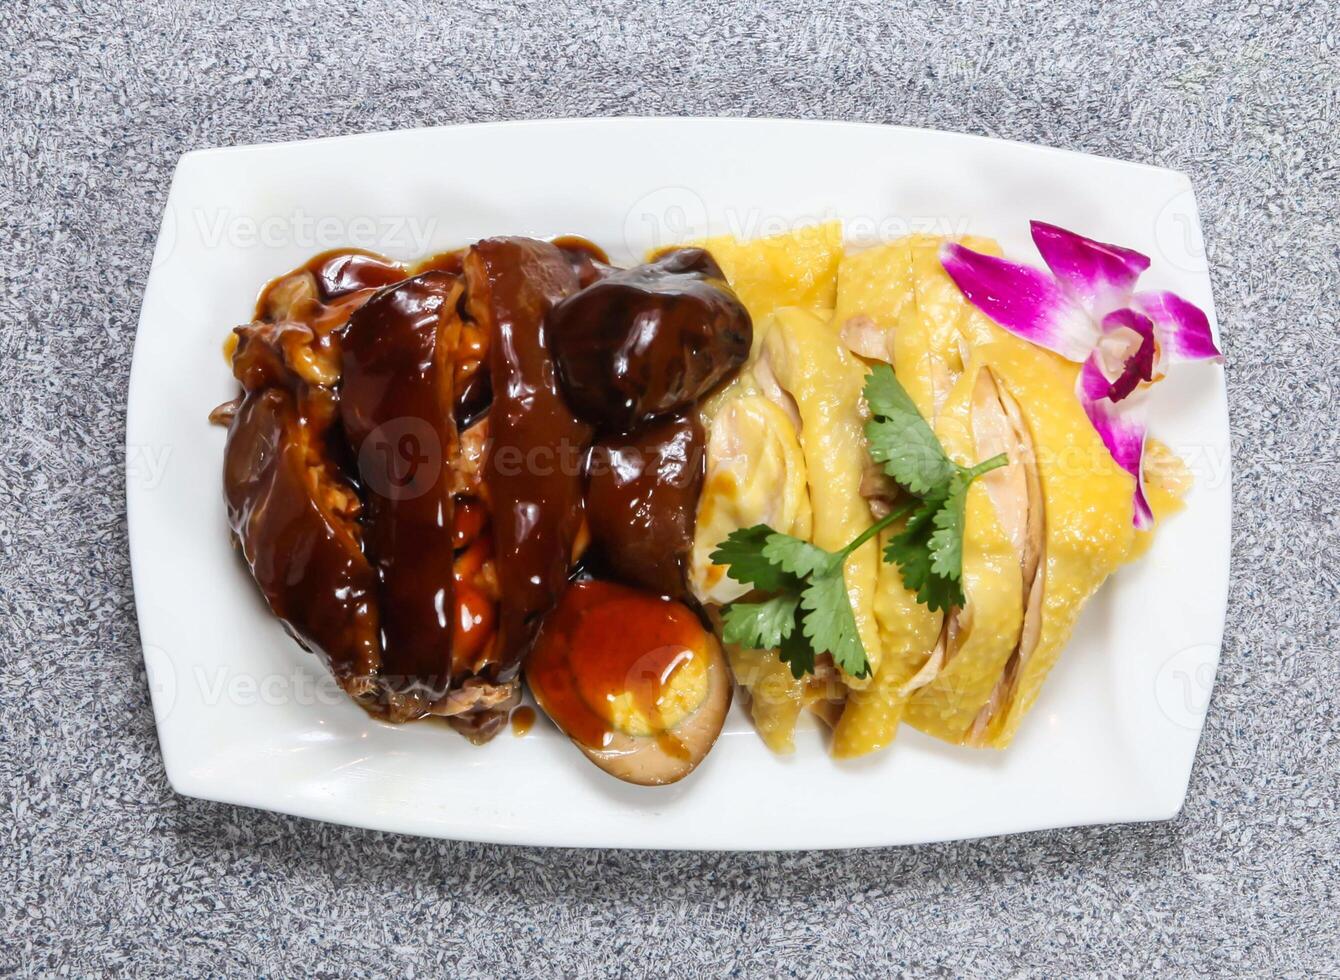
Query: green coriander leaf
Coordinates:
[811,614]
[885,394]
[742,551]
[798,557]
[809,611]
[929,549]
[830,625]
[795,651]
[760,625]
[941,593]
[910,550]
[946,542]
[901,439]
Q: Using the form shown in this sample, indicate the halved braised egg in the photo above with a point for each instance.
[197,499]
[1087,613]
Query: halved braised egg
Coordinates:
[634,679]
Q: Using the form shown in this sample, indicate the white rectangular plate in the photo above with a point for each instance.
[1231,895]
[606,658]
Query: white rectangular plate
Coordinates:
[245,716]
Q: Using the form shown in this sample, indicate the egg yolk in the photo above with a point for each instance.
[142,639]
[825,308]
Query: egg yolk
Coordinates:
[613,659]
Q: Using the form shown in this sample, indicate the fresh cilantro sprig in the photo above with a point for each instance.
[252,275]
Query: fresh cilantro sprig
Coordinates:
[929,549]
[805,611]
[808,612]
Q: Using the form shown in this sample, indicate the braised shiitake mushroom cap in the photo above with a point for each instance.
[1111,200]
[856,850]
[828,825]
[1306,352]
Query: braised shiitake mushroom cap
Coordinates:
[634,679]
[648,341]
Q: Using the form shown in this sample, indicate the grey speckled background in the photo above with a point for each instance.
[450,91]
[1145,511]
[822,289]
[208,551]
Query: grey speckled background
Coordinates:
[102,866]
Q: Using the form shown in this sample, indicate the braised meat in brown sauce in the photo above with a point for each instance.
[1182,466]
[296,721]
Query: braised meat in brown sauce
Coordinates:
[423,460]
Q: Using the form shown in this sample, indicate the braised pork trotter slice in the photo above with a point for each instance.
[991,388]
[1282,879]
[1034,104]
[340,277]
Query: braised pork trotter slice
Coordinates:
[295,519]
[533,473]
[396,405]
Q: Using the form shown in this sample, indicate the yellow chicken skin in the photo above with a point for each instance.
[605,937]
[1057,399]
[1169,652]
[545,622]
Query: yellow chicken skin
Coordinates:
[895,303]
[797,268]
[800,351]
[896,299]
[1087,502]
[907,633]
[937,328]
[873,286]
[775,696]
[756,470]
[874,292]
[755,474]
[980,637]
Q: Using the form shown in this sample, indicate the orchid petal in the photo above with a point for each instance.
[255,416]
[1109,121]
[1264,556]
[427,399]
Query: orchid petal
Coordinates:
[1099,276]
[1122,429]
[1025,301]
[1139,366]
[1092,383]
[1182,327]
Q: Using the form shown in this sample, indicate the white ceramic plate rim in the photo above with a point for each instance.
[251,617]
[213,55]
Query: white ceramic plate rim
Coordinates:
[327,761]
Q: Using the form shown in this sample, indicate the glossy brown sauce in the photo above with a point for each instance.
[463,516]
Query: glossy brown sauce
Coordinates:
[672,746]
[344,271]
[305,555]
[523,720]
[292,506]
[533,471]
[449,262]
[588,260]
[325,291]
[604,641]
[396,405]
[324,365]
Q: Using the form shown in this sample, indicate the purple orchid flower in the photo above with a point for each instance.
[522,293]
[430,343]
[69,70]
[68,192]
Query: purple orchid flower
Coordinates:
[1087,310]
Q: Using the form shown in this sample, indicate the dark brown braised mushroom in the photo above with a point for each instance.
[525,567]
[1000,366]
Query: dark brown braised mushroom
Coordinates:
[641,499]
[650,340]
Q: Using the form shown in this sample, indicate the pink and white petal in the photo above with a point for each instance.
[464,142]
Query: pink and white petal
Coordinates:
[1122,428]
[1100,276]
[1025,301]
[1182,327]
[1134,334]
[1093,382]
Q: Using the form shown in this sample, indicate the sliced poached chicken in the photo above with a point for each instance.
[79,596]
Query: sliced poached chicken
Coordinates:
[1015,492]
